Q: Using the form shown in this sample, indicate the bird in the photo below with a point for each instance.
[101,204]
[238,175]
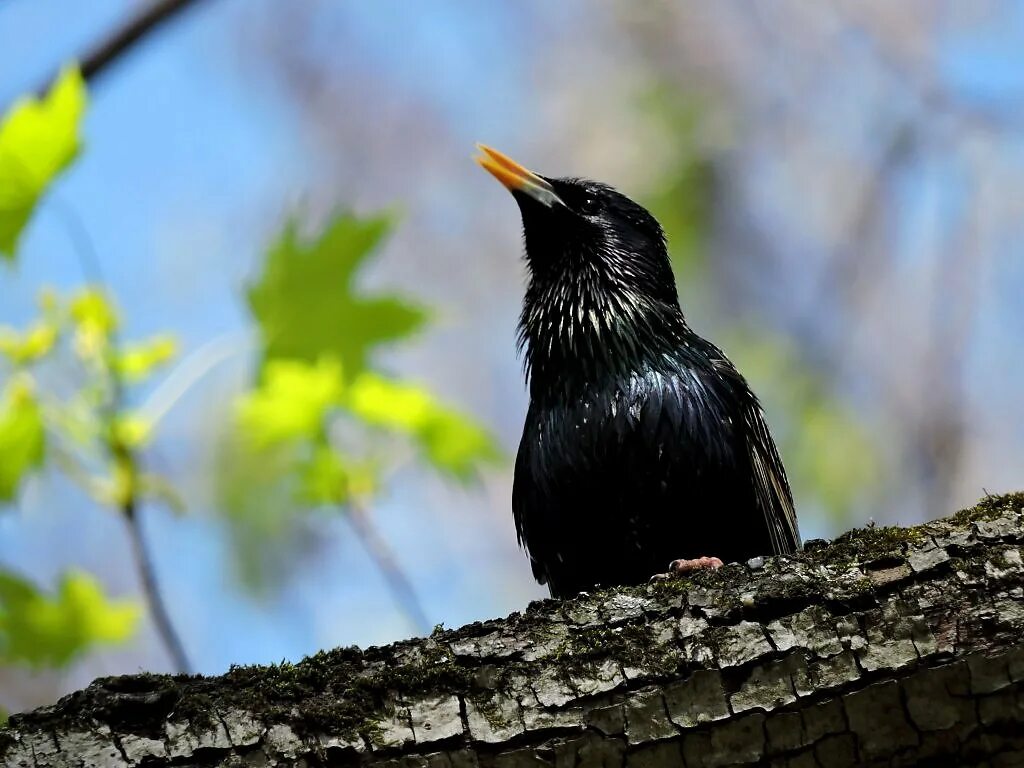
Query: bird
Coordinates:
[642,445]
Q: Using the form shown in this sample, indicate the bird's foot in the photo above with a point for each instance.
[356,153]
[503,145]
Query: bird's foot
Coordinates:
[681,567]
[685,566]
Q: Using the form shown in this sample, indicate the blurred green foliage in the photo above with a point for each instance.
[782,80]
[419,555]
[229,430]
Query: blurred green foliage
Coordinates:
[137,361]
[450,441]
[831,455]
[85,430]
[38,139]
[319,426]
[306,302]
[92,438]
[683,192]
[292,401]
[22,439]
[41,630]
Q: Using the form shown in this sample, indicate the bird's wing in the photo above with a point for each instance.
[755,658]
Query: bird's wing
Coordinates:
[771,488]
[526,497]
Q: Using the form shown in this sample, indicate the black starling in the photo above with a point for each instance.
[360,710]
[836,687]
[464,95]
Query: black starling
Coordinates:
[642,441]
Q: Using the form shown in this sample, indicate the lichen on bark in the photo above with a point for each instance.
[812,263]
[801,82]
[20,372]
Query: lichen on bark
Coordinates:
[885,646]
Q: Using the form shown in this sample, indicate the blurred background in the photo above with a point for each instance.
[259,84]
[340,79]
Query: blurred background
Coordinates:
[843,188]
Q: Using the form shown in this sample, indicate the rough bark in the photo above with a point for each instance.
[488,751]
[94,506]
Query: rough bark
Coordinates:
[888,646]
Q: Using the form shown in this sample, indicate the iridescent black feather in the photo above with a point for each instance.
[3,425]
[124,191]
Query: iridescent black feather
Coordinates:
[642,443]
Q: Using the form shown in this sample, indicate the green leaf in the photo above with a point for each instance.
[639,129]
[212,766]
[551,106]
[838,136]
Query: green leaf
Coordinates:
[324,479]
[307,304]
[22,439]
[451,441]
[256,492]
[131,430]
[291,402]
[95,320]
[22,348]
[41,630]
[91,310]
[38,139]
[136,361]
[329,478]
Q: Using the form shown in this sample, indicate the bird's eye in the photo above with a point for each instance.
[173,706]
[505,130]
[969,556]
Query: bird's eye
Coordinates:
[590,205]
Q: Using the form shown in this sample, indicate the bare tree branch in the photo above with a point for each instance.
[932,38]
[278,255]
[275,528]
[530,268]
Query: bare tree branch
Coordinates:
[136,29]
[398,583]
[151,589]
[890,646]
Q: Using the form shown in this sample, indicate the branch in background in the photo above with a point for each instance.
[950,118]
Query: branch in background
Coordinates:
[386,562]
[942,436]
[127,460]
[151,589]
[89,261]
[124,38]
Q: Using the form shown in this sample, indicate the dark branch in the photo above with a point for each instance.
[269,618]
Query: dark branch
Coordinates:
[136,29]
[888,646]
[151,589]
[397,581]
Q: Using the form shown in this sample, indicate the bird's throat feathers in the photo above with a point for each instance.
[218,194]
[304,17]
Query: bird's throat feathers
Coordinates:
[601,299]
[582,322]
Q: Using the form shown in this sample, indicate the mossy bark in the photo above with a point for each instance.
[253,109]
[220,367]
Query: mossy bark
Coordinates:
[888,646]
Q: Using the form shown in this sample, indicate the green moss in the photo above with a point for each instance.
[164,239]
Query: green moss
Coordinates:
[486,704]
[343,692]
[728,584]
[866,545]
[991,507]
[971,566]
[333,691]
[633,644]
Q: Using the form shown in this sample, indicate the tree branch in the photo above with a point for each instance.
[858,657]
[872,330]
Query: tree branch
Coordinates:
[887,646]
[398,582]
[119,42]
[151,589]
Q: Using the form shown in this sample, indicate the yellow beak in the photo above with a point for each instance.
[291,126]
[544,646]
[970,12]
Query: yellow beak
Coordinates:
[515,177]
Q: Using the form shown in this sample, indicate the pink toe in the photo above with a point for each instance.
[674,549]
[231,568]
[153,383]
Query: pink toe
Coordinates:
[699,563]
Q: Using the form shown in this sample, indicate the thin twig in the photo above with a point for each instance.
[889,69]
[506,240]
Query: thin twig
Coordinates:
[151,590]
[92,270]
[125,37]
[129,509]
[127,458]
[399,584]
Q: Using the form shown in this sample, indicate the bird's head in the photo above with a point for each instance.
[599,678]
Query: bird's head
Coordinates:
[601,289]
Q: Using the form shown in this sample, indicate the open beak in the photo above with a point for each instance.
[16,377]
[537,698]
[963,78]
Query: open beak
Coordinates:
[515,177]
